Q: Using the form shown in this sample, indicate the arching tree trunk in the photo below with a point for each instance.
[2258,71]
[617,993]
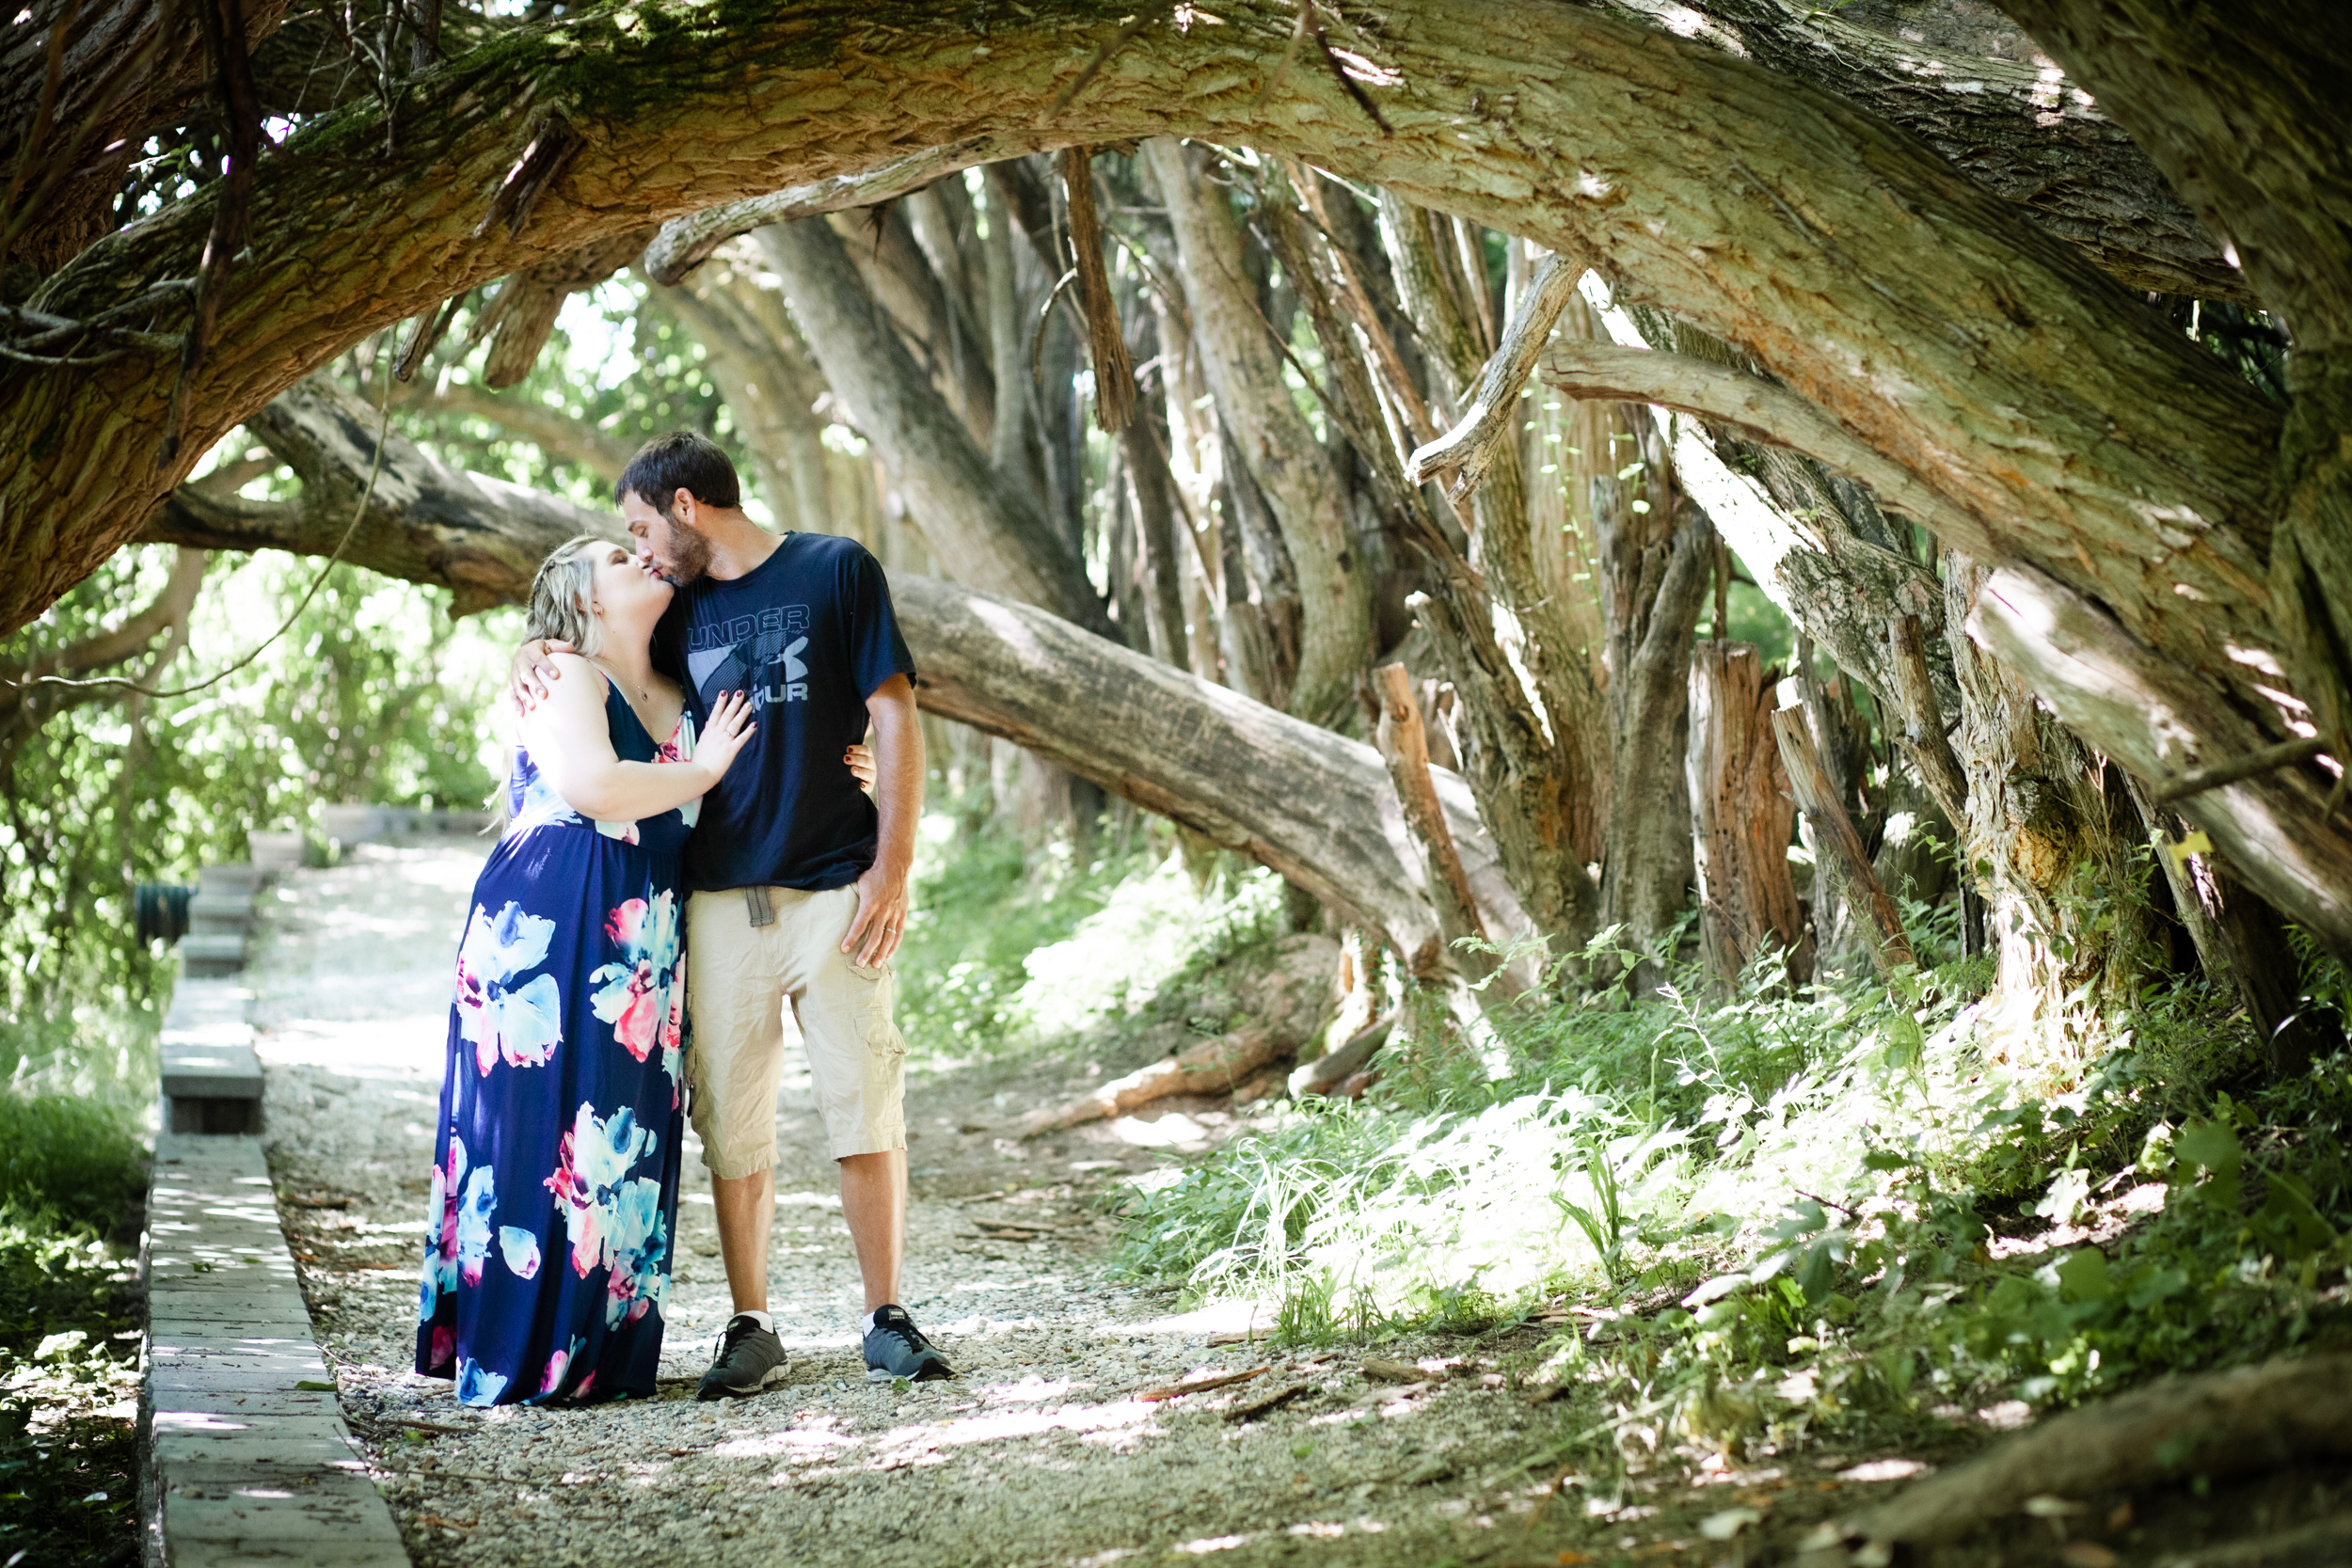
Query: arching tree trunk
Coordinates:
[2118,476]
[986,530]
[1741,816]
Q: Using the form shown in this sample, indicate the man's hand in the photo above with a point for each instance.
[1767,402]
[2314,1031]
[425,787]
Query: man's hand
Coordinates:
[882,917]
[534,670]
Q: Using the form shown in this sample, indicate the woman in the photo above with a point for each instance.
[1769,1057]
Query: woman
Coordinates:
[556,1167]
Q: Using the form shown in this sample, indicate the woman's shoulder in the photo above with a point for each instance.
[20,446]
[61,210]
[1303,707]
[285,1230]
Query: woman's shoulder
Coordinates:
[581,671]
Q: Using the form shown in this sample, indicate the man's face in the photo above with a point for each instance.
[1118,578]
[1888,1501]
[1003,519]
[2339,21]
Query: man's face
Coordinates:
[671,545]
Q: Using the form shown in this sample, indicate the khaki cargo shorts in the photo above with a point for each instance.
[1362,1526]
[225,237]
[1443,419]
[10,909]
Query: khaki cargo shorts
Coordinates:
[740,978]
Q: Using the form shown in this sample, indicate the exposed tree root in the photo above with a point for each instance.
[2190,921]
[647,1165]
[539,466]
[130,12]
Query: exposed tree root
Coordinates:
[2216,1426]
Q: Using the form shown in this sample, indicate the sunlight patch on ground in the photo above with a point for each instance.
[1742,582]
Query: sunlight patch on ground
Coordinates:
[1174,1130]
[1240,1316]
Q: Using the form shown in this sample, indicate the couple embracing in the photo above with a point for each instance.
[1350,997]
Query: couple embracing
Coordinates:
[686,777]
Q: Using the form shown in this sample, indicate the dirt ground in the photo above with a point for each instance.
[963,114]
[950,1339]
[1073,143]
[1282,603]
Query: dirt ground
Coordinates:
[1059,1442]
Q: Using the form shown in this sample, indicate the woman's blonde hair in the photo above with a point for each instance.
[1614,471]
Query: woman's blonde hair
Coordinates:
[561,593]
[560,597]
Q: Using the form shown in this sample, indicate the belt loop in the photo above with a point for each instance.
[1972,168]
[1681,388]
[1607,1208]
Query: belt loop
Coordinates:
[755,903]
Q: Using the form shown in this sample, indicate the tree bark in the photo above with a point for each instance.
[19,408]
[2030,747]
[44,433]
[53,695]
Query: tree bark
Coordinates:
[2247,112]
[985,530]
[128,68]
[1404,747]
[1277,446]
[1741,816]
[1846,861]
[2028,140]
[2218,1425]
[1654,568]
[2048,836]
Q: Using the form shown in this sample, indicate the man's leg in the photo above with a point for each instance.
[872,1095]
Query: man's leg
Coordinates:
[857,1064]
[747,1213]
[874,1206]
[737,999]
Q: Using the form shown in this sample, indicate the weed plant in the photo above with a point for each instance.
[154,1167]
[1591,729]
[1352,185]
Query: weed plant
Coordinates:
[1784,1209]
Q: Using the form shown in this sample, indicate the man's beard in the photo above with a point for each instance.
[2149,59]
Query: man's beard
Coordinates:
[689,553]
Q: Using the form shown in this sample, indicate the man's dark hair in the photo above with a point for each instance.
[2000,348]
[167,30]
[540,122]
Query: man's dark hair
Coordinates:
[682,460]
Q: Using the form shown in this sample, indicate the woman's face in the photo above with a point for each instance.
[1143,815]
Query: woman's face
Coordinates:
[626,592]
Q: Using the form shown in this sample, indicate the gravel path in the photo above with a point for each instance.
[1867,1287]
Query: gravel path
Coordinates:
[1048,1449]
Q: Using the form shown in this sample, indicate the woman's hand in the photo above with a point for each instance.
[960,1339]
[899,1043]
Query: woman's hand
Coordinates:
[723,738]
[860,761]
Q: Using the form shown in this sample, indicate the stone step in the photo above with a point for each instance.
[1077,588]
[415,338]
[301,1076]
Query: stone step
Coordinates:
[237,878]
[247,1464]
[209,955]
[230,903]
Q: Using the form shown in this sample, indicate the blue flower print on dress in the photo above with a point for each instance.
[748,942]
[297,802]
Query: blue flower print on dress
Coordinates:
[473,1222]
[520,1250]
[477,1383]
[612,1219]
[440,1252]
[555,1102]
[522,1024]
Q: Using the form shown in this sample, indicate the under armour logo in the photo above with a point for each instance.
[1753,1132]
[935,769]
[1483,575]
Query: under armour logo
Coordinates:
[793,669]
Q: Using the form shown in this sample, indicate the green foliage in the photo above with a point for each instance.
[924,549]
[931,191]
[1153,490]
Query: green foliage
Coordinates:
[69,1349]
[1010,949]
[373,695]
[1859,1212]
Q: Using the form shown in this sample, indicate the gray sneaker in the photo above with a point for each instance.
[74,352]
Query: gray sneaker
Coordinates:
[750,1357]
[895,1349]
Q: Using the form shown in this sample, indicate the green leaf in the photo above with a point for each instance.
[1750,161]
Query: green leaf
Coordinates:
[2084,1276]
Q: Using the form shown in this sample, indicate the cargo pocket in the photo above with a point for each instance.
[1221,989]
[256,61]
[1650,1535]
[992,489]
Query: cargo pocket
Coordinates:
[872,1012]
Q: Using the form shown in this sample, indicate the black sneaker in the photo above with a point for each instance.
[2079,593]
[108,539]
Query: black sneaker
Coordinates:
[895,1349]
[750,1357]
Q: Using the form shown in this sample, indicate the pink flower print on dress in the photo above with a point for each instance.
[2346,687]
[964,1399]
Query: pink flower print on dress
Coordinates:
[636,995]
[614,1220]
[524,1023]
[553,1383]
[440,1251]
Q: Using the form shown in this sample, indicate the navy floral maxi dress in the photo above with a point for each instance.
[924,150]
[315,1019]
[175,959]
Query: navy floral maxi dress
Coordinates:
[555,1171]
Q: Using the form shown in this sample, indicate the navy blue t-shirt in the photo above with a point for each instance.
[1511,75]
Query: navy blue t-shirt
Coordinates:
[810,634]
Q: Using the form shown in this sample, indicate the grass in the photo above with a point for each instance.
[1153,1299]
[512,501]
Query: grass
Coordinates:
[1011,951]
[71,1177]
[1792,1214]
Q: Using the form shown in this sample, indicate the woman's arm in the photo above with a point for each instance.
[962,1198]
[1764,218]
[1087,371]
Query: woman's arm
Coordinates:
[568,737]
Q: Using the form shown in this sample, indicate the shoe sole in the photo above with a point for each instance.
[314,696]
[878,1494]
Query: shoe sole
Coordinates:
[933,1373]
[710,1392]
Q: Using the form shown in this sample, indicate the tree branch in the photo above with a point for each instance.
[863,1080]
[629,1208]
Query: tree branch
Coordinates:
[1460,457]
[1755,408]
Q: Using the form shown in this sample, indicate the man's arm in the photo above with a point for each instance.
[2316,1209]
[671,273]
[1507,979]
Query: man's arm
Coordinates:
[881,893]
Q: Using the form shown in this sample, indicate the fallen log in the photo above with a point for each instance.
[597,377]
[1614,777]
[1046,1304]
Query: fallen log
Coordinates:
[1324,1075]
[1315,806]
[1297,998]
[2217,1425]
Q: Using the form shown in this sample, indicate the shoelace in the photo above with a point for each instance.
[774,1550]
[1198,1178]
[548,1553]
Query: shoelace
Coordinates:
[906,1331]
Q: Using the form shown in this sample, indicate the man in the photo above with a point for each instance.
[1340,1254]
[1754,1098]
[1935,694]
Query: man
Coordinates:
[796,883]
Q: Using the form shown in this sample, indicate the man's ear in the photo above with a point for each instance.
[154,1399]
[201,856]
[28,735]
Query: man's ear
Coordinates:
[682,507]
